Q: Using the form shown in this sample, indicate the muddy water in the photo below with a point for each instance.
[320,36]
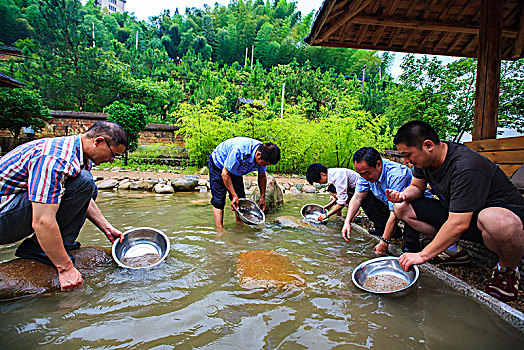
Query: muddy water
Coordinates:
[193,299]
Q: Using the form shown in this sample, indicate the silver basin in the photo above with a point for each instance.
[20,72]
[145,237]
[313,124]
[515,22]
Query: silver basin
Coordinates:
[249,212]
[387,265]
[311,212]
[141,248]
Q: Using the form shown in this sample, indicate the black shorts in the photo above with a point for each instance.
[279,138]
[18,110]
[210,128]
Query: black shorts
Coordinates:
[433,212]
[218,189]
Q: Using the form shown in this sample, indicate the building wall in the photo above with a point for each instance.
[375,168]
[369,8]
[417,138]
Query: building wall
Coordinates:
[111,5]
[66,123]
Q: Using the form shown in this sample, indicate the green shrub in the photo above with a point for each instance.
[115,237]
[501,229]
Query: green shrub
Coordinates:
[131,117]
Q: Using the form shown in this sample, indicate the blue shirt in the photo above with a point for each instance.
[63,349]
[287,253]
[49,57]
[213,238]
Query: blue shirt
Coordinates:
[40,168]
[238,156]
[394,176]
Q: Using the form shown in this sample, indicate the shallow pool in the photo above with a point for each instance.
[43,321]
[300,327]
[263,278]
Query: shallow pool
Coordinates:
[193,299]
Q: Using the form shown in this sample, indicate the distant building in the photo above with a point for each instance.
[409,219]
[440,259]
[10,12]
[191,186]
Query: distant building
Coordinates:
[111,5]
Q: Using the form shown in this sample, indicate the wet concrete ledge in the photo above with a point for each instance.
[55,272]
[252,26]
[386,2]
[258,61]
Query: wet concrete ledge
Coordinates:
[506,312]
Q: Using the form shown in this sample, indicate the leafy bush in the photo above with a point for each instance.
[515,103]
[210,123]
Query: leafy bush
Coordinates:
[131,117]
[330,140]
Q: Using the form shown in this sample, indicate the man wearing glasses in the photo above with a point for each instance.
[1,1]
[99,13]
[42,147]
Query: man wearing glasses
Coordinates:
[46,188]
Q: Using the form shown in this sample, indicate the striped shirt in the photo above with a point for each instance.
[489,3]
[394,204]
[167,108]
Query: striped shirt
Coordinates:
[41,167]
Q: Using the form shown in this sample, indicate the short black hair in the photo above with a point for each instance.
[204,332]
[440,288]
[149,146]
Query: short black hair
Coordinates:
[269,152]
[313,172]
[367,154]
[113,131]
[414,133]
[331,188]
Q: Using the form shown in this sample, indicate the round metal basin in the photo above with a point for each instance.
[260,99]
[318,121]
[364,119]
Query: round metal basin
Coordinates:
[249,212]
[386,266]
[141,248]
[311,212]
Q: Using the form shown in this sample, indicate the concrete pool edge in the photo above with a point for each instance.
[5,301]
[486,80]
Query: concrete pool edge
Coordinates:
[506,312]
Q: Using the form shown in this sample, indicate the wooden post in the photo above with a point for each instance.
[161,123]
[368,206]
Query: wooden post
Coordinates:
[488,70]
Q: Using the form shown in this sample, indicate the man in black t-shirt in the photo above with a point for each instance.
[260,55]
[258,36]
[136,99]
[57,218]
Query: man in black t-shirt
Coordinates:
[477,203]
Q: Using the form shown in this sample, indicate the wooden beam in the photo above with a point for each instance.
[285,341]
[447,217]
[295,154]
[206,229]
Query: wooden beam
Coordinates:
[463,10]
[429,9]
[389,11]
[411,23]
[321,21]
[519,43]
[353,9]
[444,13]
[488,70]
[440,40]
[411,8]
[362,33]
[393,36]
[406,44]
[356,45]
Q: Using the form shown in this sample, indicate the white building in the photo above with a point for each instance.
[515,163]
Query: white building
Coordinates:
[111,5]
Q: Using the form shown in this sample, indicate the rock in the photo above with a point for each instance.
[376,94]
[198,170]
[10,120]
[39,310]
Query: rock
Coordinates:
[163,188]
[107,184]
[274,195]
[124,185]
[298,187]
[247,184]
[202,188]
[202,182]
[204,171]
[116,169]
[20,277]
[294,190]
[293,222]
[309,189]
[185,184]
[98,178]
[286,186]
[146,185]
[267,269]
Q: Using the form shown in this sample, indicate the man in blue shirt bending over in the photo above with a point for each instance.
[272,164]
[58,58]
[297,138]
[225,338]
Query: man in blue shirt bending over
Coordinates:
[231,160]
[377,175]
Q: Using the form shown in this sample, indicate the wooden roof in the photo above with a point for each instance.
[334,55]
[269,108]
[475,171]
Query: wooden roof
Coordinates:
[435,27]
[7,81]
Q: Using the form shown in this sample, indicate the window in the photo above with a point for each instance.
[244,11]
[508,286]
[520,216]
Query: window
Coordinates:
[112,8]
[112,1]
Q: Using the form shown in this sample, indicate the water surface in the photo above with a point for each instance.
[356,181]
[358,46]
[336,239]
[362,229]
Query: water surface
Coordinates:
[193,299]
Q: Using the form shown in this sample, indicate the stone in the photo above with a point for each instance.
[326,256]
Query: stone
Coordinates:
[298,186]
[124,185]
[185,184]
[293,222]
[163,188]
[286,186]
[202,182]
[107,184]
[19,277]
[202,188]
[116,169]
[309,189]
[274,195]
[145,185]
[247,184]
[204,171]
[268,269]
[294,190]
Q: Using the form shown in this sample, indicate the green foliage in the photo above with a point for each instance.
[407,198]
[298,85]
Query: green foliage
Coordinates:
[331,140]
[22,108]
[131,117]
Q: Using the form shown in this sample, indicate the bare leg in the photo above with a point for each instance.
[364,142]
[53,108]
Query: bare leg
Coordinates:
[502,233]
[404,211]
[218,214]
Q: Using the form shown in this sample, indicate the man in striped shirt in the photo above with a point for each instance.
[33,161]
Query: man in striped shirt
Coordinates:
[46,188]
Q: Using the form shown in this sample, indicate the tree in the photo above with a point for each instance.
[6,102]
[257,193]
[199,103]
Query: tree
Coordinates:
[22,108]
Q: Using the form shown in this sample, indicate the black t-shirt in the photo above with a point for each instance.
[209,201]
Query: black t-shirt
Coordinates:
[467,182]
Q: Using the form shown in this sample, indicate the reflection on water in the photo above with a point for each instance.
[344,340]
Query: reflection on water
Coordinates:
[193,299]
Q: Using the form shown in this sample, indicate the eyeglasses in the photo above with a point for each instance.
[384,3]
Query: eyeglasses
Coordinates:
[113,156]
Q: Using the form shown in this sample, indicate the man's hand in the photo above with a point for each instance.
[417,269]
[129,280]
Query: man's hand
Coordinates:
[395,196]
[262,203]
[408,259]
[113,234]
[381,248]
[322,217]
[69,278]
[346,231]
[234,203]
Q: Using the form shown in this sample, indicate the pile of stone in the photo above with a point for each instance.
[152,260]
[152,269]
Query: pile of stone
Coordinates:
[190,183]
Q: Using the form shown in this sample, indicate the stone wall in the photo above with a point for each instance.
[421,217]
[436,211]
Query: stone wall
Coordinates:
[66,123]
